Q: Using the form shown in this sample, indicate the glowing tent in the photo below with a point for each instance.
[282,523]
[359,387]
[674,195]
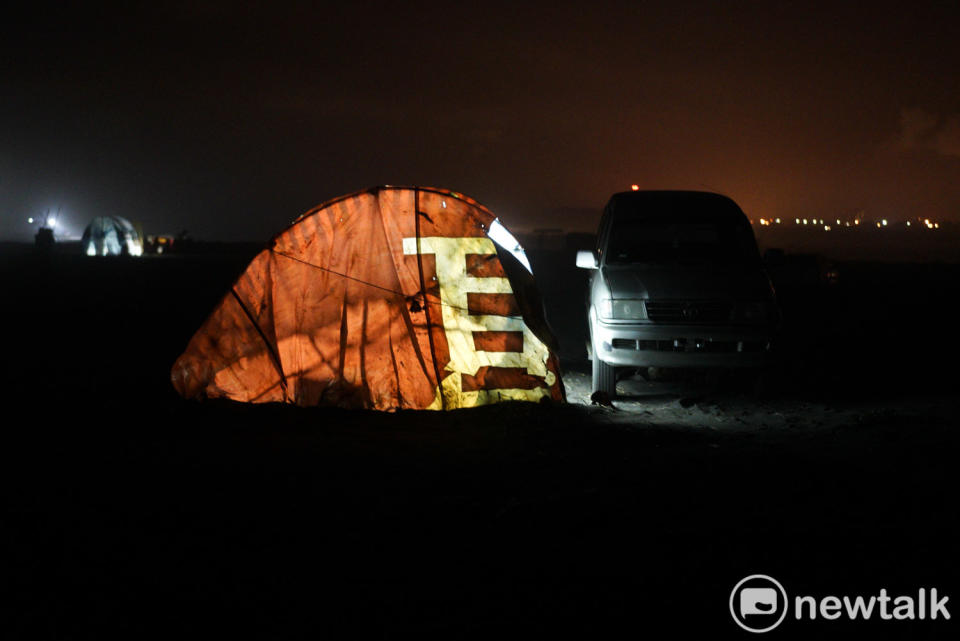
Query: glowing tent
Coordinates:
[389,298]
[111,236]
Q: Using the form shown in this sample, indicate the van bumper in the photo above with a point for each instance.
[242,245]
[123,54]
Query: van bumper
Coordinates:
[651,345]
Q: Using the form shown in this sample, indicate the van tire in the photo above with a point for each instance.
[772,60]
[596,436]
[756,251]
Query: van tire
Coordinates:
[604,377]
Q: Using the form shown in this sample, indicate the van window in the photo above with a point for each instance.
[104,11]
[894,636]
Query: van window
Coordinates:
[639,240]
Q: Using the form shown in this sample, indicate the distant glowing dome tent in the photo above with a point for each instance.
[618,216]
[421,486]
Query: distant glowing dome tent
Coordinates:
[389,298]
[111,236]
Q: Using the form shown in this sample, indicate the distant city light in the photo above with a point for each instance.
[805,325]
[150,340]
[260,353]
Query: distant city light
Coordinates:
[635,187]
[30,220]
[51,223]
[839,223]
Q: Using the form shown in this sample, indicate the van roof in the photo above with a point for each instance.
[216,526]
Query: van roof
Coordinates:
[687,204]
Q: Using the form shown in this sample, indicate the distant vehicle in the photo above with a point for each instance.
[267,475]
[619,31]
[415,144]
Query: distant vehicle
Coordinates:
[677,283]
[158,244]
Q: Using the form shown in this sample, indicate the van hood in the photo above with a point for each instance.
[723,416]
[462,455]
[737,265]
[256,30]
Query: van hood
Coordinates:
[697,282]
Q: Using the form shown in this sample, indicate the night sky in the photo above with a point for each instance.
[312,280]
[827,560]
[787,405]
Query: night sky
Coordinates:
[230,119]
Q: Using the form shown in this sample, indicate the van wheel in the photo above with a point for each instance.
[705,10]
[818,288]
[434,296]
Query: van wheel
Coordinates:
[604,377]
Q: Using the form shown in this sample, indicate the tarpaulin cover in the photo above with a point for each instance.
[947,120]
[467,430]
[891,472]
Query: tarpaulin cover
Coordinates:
[390,298]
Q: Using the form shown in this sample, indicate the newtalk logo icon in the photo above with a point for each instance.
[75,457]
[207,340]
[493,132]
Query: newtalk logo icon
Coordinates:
[758,603]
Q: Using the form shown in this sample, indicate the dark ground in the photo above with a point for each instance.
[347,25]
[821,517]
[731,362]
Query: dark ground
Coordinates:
[129,512]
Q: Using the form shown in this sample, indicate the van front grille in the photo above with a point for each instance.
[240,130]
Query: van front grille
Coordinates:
[700,345]
[682,311]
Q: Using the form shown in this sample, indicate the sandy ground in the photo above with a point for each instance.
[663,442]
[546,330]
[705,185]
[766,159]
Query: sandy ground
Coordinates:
[701,405]
[131,513]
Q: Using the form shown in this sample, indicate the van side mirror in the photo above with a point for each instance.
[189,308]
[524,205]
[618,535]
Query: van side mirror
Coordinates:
[586,259]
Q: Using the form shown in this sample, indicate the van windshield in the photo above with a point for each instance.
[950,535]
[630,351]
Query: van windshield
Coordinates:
[666,241]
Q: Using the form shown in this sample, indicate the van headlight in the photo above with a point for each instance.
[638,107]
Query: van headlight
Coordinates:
[622,309]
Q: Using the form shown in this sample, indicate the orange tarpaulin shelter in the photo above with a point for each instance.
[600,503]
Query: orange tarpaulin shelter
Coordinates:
[388,298]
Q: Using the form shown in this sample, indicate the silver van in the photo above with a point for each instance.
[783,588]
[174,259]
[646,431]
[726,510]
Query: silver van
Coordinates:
[678,283]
